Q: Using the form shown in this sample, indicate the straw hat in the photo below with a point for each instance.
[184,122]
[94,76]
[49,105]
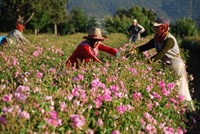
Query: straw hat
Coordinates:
[160,21]
[95,33]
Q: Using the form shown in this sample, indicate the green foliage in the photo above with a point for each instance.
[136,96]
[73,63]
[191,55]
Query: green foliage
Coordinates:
[19,10]
[123,19]
[42,97]
[39,20]
[185,27]
[77,21]
[191,43]
[57,11]
[22,11]
[117,24]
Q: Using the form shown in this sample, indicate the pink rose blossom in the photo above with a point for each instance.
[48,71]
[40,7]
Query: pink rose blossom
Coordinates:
[98,102]
[69,97]
[7,98]
[173,100]
[24,115]
[95,83]
[165,92]
[150,106]
[146,54]
[179,131]
[20,96]
[80,77]
[3,120]
[53,114]
[39,75]
[77,120]
[48,98]
[22,88]
[137,96]
[114,88]
[90,131]
[161,84]
[54,122]
[150,129]
[168,130]
[149,87]
[115,132]
[62,106]
[171,85]
[133,70]
[99,122]
[16,74]
[121,109]
[180,97]
[157,96]
[14,61]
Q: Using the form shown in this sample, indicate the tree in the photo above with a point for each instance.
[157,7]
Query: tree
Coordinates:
[22,11]
[39,21]
[18,11]
[185,27]
[78,21]
[57,12]
[123,19]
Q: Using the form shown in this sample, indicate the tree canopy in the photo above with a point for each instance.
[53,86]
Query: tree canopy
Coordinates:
[23,11]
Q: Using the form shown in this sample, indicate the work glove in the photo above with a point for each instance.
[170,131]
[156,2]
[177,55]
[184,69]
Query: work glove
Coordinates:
[130,52]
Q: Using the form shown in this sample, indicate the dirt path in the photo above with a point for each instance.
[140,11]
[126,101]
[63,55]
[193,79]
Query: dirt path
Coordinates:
[193,68]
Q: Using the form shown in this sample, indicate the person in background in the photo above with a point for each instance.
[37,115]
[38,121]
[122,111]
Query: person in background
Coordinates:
[134,31]
[16,35]
[168,51]
[87,50]
[3,41]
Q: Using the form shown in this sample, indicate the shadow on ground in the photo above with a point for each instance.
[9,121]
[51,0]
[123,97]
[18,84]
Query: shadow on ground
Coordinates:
[193,68]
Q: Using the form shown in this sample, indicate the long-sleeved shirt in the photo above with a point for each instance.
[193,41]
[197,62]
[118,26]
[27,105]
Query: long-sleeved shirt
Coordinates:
[168,48]
[85,53]
[17,36]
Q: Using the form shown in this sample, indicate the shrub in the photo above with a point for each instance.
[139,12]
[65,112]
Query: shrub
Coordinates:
[38,94]
[185,27]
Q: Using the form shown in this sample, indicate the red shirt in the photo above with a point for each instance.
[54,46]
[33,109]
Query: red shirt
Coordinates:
[85,53]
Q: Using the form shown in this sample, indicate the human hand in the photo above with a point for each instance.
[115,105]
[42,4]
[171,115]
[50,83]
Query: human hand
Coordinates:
[128,53]
[133,51]
[149,61]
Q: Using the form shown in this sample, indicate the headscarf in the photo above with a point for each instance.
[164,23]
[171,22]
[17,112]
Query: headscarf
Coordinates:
[20,27]
[163,25]
[163,31]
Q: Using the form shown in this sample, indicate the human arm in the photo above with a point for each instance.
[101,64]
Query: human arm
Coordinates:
[167,46]
[107,49]
[141,29]
[149,45]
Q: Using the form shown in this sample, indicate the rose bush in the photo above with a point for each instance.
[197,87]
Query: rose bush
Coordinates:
[122,95]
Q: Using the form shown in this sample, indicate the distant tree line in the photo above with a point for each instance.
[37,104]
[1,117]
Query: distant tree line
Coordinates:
[122,19]
[51,16]
[43,16]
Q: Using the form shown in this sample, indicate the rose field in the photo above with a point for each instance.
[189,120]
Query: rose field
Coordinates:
[121,95]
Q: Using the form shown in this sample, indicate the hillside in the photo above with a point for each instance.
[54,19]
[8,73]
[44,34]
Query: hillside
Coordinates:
[121,95]
[172,9]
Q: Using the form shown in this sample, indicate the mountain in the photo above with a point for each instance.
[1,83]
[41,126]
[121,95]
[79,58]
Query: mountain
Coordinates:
[173,9]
